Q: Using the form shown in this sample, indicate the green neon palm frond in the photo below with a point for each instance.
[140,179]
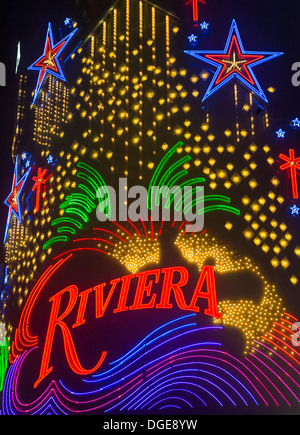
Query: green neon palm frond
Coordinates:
[3,360]
[169,182]
[78,206]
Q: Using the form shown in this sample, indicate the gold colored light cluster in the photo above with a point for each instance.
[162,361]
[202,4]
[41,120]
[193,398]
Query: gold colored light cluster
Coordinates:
[136,253]
[198,249]
[253,320]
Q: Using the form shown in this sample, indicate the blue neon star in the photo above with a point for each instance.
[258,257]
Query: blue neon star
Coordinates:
[13,199]
[234,63]
[204,25]
[192,38]
[294,210]
[280,133]
[296,122]
[49,63]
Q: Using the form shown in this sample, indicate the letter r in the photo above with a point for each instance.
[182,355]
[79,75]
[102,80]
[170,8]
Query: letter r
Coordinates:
[69,347]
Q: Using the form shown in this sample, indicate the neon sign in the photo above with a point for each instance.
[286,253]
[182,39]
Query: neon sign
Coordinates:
[293,164]
[234,63]
[145,291]
[49,63]
[195,5]
[13,201]
[39,181]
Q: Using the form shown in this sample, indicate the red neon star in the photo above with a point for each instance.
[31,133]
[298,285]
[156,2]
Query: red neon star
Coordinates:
[39,181]
[49,63]
[195,8]
[234,62]
[13,201]
[292,164]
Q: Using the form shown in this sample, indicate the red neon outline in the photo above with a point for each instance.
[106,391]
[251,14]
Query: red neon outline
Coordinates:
[23,339]
[220,57]
[131,223]
[195,8]
[292,164]
[39,180]
[110,232]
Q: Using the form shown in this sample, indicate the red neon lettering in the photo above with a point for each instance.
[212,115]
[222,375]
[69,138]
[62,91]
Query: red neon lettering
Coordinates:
[82,306]
[207,273]
[69,347]
[100,306]
[126,280]
[142,288]
[169,285]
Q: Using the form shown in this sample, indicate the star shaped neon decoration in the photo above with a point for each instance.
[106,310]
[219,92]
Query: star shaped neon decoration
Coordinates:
[234,63]
[13,199]
[192,38]
[280,133]
[49,63]
[294,210]
[296,122]
[204,25]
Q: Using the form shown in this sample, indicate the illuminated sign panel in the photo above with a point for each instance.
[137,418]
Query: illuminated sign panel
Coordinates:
[110,312]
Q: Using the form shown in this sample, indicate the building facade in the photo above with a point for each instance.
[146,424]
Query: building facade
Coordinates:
[144,316]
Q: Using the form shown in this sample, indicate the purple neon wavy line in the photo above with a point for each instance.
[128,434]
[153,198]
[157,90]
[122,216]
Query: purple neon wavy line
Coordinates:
[212,374]
[168,398]
[275,374]
[8,382]
[98,377]
[46,393]
[198,378]
[151,380]
[279,356]
[192,393]
[281,394]
[135,394]
[213,365]
[180,383]
[280,368]
[227,362]
[151,393]
[252,363]
[49,390]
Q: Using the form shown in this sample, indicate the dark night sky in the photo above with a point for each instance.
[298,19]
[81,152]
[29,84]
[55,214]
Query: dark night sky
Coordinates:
[266,25]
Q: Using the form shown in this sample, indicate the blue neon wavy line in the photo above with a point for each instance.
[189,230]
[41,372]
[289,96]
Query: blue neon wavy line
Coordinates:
[170,406]
[149,335]
[223,380]
[175,406]
[185,383]
[154,392]
[145,345]
[151,350]
[141,368]
[212,365]
[141,387]
[184,390]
